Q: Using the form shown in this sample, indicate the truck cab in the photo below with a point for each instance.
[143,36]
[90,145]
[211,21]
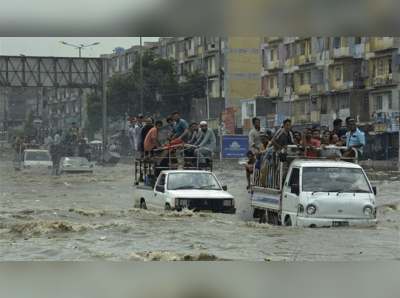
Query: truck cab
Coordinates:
[316,194]
[33,160]
[174,190]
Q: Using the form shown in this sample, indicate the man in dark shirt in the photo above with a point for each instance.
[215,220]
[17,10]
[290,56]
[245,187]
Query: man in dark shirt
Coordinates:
[338,128]
[145,130]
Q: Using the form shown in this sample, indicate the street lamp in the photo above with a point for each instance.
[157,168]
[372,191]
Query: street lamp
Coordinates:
[80,46]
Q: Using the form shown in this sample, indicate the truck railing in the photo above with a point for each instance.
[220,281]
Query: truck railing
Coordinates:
[150,167]
[275,171]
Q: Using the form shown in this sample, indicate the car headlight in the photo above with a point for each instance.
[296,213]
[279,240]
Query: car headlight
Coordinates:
[183,202]
[227,202]
[367,211]
[311,209]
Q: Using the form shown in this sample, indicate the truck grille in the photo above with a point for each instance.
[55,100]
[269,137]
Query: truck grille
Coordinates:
[205,203]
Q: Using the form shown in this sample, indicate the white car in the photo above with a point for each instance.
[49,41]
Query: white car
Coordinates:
[199,191]
[35,160]
[318,194]
[74,165]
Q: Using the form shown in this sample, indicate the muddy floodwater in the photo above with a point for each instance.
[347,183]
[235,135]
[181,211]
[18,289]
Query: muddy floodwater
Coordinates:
[92,217]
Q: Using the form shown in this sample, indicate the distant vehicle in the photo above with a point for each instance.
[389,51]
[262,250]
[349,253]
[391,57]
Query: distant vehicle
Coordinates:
[74,165]
[199,191]
[33,160]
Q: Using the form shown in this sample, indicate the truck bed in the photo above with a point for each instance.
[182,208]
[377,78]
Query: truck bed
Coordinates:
[266,198]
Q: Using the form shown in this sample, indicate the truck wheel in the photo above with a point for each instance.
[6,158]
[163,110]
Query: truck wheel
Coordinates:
[167,207]
[263,218]
[143,205]
[288,221]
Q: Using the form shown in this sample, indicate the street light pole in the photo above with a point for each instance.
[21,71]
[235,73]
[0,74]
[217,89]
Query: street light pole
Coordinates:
[80,47]
[141,78]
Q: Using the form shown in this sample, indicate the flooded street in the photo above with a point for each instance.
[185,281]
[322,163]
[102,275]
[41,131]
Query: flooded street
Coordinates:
[92,217]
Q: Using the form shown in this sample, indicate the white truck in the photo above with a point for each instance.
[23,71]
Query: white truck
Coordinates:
[195,190]
[33,160]
[316,193]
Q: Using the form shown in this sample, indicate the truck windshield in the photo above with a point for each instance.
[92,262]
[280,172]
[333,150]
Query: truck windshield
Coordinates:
[192,181]
[324,179]
[38,156]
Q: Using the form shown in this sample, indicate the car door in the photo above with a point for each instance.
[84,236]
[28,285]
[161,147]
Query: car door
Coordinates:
[291,201]
[159,197]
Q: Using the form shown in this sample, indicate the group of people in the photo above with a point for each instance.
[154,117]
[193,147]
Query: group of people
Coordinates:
[145,138]
[266,147]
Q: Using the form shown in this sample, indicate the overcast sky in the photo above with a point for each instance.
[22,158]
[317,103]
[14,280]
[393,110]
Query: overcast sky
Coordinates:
[50,46]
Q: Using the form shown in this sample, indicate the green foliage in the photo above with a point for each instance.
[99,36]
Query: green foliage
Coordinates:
[94,112]
[28,128]
[162,92]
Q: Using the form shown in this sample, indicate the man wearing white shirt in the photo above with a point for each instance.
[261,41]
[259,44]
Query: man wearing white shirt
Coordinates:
[48,141]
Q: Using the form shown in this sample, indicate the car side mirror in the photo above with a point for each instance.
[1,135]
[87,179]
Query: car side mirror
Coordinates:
[91,166]
[160,188]
[375,190]
[224,187]
[295,189]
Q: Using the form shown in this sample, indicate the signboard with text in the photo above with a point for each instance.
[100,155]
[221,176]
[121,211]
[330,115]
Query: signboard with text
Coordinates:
[37,120]
[228,118]
[235,146]
[386,121]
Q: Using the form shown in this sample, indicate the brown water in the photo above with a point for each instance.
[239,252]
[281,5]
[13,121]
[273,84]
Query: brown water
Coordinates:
[91,217]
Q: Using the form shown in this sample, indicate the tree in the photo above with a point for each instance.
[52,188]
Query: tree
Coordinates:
[28,128]
[94,112]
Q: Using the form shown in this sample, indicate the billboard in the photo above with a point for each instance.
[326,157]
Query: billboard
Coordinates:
[228,118]
[235,147]
[386,121]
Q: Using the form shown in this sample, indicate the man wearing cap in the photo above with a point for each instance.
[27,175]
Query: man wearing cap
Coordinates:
[206,143]
[355,139]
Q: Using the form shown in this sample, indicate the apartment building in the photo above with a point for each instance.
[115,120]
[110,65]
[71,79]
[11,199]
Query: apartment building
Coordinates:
[64,106]
[16,103]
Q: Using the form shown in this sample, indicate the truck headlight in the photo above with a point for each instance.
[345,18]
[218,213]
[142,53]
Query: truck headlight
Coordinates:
[311,209]
[367,211]
[28,167]
[182,202]
[227,202]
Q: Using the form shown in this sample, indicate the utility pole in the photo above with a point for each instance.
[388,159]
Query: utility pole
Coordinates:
[104,109]
[141,78]
[221,77]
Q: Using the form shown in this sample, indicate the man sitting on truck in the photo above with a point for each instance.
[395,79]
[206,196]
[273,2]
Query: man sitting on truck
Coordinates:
[313,145]
[355,139]
[151,142]
[207,141]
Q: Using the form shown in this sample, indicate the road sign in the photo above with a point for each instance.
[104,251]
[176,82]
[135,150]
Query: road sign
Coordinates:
[235,146]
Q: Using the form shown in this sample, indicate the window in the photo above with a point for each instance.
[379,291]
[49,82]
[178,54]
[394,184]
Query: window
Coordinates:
[271,83]
[390,102]
[295,177]
[288,52]
[302,108]
[390,63]
[210,66]
[366,100]
[338,73]
[380,67]
[210,86]
[303,48]
[379,38]
[161,182]
[321,76]
[308,78]
[337,42]
[277,54]
[358,40]
[302,79]
[378,103]
[271,55]
[309,48]
[199,41]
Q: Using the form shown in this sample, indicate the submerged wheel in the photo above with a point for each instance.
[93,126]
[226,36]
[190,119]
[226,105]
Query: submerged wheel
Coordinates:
[143,205]
[288,221]
[167,207]
[263,218]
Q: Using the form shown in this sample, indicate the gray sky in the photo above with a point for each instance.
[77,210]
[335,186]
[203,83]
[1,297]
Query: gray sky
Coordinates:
[50,46]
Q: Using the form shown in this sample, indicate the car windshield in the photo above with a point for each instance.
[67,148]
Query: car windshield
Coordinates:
[68,162]
[192,181]
[325,179]
[38,156]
